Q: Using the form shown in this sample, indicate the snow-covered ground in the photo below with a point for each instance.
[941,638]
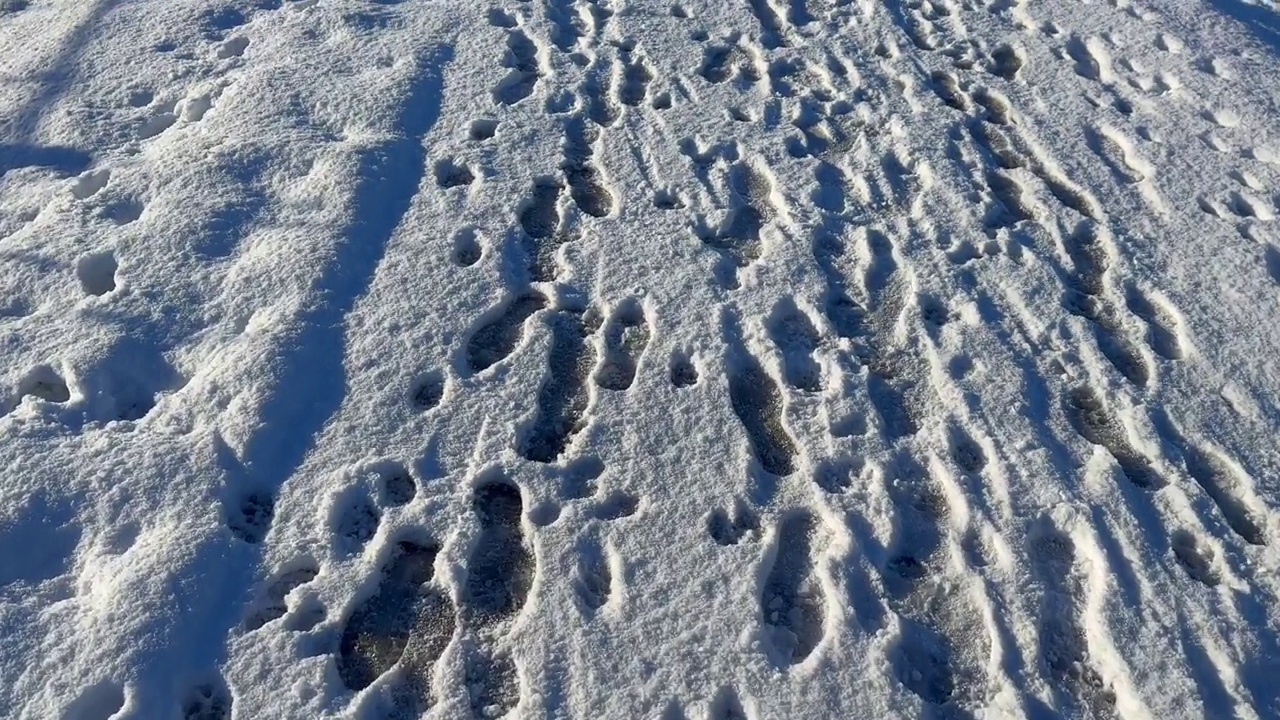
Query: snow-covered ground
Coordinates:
[621,358]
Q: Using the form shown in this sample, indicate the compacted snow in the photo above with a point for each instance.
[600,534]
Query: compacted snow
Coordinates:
[620,358]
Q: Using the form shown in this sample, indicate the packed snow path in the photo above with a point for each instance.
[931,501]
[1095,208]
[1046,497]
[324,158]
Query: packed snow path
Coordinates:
[621,358]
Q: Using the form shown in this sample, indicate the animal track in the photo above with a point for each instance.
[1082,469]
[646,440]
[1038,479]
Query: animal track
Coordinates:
[427,391]
[625,338]
[682,370]
[967,453]
[466,248]
[500,567]
[835,476]
[405,622]
[396,486]
[249,517]
[451,174]
[791,602]
[563,397]
[208,701]
[729,529]
[356,522]
[594,583]
[667,199]
[495,340]
[483,129]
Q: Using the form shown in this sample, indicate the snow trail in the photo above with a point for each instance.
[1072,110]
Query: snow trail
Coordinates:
[621,358]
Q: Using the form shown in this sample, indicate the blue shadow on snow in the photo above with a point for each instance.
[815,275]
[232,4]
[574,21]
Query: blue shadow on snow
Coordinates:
[310,380]
[1262,21]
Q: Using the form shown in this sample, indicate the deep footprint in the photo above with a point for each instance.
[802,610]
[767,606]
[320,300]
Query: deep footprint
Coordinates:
[586,184]
[563,397]
[797,339]
[540,219]
[1218,480]
[757,402]
[625,339]
[404,622]
[492,683]
[921,659]
[500,568]
[494,341]
[1063,643]
[1091,418]
[791,602]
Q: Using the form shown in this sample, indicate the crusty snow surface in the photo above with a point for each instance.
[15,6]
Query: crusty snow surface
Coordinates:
[620,358]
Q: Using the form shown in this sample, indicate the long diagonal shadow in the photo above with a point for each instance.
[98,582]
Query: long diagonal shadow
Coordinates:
[1262,21]
[21,150]
[310,383]
[61,71]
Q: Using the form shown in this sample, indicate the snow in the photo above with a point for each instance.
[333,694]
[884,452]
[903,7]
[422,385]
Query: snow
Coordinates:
[619,358]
